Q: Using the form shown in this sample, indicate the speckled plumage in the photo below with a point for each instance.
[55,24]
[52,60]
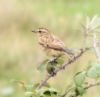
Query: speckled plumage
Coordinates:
[52,45]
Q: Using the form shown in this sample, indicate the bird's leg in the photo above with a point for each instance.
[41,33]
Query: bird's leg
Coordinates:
[71,56]
[51,66]
[53,60]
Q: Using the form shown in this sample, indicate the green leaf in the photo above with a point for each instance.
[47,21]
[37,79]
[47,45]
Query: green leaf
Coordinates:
[30,86]
[79,78]
[94,71]
[50,68]
[45,92]
[28,94]
[60,61]
[42,65]
[79,91]
[53,91]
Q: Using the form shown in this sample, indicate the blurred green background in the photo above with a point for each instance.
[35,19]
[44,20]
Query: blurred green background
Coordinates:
[20,53]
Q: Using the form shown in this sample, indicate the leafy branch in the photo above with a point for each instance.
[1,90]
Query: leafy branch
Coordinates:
[63,66]
[86,88]
[79,87]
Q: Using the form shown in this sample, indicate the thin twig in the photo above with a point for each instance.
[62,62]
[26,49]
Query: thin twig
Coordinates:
[96,49]
[66,92]
[86,88]
[63,66]
[92,85]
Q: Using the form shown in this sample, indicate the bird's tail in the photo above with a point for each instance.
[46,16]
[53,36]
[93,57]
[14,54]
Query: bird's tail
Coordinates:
[69,52]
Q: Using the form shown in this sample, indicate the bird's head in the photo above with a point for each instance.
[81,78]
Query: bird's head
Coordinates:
[41,31]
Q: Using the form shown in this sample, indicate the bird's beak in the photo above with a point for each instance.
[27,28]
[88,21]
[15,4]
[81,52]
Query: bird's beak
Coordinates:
[34,31]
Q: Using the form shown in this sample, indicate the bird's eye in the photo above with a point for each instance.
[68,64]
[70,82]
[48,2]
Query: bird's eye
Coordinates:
[40,31]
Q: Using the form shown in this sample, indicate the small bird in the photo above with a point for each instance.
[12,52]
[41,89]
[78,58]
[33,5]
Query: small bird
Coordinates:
[52,45]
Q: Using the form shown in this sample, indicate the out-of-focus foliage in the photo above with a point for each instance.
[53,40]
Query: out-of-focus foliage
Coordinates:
[79,84]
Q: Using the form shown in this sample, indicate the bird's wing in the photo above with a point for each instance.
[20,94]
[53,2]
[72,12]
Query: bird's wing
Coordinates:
[56,43]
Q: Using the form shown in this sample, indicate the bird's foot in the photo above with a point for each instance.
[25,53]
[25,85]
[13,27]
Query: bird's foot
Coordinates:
[53,73]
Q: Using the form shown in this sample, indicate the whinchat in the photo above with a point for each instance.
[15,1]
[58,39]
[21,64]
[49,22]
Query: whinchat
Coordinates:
[51,44]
